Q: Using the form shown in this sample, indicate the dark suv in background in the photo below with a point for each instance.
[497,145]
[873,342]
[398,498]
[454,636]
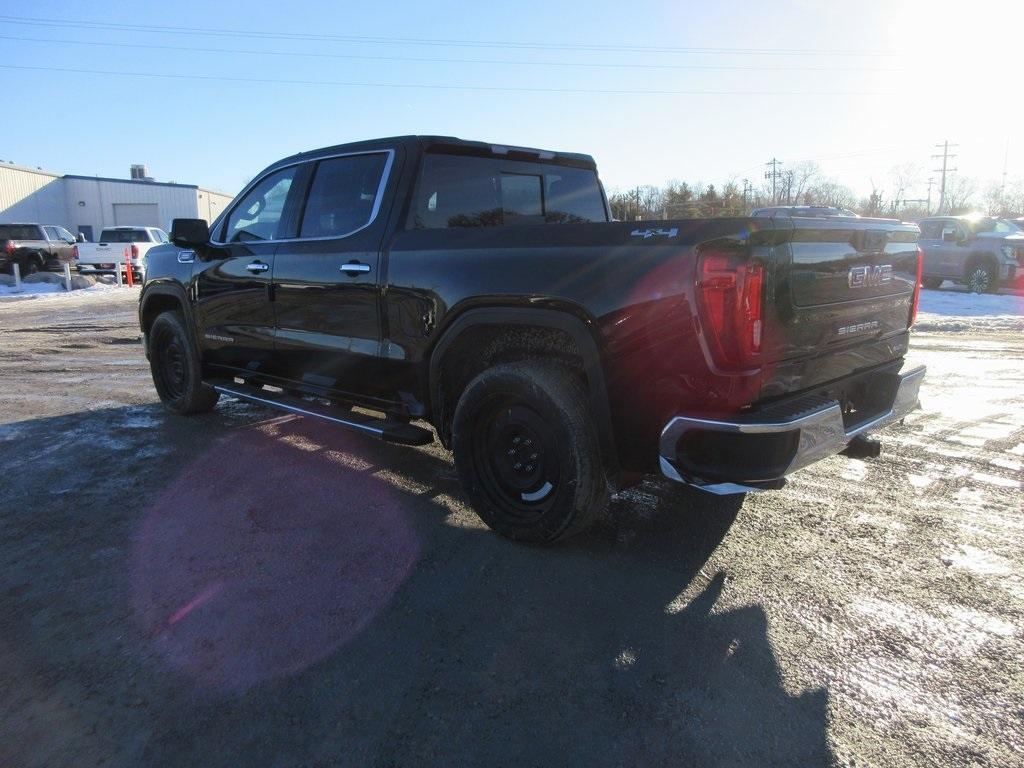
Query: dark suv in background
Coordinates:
[981,252]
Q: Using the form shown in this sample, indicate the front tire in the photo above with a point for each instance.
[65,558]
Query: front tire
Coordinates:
[174,363]
[981,278]
[527,452]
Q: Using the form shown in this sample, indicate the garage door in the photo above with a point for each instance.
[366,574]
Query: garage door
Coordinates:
[136,214]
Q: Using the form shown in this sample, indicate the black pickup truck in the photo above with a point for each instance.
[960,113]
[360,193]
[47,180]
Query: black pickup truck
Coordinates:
[401,284]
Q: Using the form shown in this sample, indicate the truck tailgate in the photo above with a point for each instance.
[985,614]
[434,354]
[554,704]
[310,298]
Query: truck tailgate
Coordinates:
[842,291]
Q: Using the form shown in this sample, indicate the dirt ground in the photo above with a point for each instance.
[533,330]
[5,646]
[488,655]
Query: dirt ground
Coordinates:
[246,589]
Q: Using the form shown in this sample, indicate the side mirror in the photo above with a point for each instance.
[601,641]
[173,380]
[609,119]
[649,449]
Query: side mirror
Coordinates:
[80,238]
[190,233]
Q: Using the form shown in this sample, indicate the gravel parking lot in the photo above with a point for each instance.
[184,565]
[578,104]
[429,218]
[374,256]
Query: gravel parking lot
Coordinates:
[248,589]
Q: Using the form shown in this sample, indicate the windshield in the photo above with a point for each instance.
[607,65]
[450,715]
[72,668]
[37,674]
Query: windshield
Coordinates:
[124,236]
[996,226]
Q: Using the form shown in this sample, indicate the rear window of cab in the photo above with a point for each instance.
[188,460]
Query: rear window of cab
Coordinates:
[466,191]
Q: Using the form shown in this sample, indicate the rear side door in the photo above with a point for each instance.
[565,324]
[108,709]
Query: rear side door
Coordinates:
[931,246]
[232,275]
[327,279]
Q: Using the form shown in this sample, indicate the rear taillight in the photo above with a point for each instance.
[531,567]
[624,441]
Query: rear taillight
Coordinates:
[10,249]
[916,300]
[74,253]
[135,251]
[729,291]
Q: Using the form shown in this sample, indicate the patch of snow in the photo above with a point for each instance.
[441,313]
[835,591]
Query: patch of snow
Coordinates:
[1005,482]
[52,291]
[979,561]
[920,481]
[957,310]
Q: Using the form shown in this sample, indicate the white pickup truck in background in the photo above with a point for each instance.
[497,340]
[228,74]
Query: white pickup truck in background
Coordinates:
[116,246]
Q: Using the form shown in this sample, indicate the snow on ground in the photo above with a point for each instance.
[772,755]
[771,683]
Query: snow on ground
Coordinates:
[49,291]
[955,309]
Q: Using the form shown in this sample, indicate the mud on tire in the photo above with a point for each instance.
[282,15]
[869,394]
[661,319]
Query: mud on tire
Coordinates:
[527,453]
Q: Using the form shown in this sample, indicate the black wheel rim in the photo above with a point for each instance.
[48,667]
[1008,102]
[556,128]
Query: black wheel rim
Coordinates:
[170,365]
[979,280]
[516,456]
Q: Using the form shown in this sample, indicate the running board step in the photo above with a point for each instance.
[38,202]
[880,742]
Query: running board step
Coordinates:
[390,431]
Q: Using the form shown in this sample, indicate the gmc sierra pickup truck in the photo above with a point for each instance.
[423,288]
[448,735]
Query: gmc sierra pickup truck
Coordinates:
[414,285]
[116,247]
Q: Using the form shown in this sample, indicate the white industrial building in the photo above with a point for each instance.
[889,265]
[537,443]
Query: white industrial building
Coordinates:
[86,204]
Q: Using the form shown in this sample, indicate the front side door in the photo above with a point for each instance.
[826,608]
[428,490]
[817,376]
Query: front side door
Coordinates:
[232,275]
[327,280]
[58,250]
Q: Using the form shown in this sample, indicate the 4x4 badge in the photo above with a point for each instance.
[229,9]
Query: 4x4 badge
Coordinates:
[646,233]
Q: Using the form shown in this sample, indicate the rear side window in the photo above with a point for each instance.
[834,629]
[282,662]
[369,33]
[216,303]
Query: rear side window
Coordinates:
[51,234]
[258,216]
[343,195]
[124,236]
[573,196]
[931,230]
[459,191]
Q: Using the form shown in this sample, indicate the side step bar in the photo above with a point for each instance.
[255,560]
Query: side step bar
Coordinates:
[390,431]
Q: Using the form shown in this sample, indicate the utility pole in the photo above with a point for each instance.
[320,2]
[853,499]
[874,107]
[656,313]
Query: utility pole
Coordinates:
[746,192]
[636,195]
[774,174]
[946,157]
[931,183]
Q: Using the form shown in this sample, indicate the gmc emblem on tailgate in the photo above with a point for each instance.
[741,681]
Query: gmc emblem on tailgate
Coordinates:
[863,277]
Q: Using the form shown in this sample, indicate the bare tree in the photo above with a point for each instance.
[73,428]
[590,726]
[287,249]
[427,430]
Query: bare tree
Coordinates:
[960,194]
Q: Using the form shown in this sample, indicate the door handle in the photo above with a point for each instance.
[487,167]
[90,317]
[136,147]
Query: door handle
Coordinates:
[257,266]
[354,268]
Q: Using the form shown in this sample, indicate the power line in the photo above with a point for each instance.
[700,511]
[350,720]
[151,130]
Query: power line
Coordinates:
[435,86]
[176,30]
[946,157]
[773,174]
[418,59]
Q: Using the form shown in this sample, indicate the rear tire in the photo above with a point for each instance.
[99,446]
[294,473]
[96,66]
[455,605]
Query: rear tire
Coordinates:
[527,452]
[981,278]
[174,363]
[931,283]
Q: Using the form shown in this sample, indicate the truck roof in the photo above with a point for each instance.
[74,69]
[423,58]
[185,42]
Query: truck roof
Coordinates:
[451,144]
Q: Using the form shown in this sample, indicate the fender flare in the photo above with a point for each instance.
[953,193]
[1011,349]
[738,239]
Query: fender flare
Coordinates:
[175,291]
[555,319]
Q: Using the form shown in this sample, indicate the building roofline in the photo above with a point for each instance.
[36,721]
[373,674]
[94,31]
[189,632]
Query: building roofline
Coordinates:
[130,181]
[29,169]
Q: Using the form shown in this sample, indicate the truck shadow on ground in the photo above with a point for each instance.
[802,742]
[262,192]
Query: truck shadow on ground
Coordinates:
[282,593]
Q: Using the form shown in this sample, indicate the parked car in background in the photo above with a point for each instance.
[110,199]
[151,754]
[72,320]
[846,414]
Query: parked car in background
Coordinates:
[35,247]
[981,252]
[811,211]
[118,245]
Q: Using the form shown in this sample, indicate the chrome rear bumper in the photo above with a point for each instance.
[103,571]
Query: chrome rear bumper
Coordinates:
[809,435]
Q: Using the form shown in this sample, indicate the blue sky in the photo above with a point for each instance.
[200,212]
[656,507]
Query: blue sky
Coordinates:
[901,76]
